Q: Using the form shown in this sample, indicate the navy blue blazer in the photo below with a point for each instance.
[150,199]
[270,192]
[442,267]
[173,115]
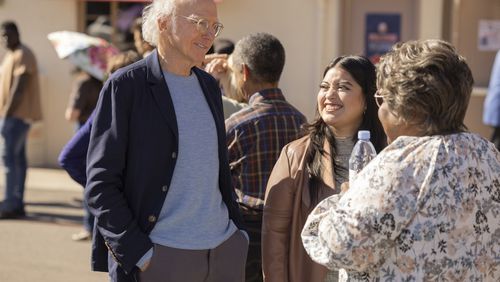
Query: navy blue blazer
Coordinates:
[131,159]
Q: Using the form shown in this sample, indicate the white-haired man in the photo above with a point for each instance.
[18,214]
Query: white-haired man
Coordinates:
[158,175]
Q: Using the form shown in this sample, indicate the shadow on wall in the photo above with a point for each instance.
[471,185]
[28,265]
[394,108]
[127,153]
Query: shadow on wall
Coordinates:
[474,115]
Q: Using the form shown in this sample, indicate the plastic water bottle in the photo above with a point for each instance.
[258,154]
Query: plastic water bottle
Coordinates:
[362,153]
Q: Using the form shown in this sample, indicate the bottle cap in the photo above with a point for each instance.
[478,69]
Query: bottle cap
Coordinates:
[364,134]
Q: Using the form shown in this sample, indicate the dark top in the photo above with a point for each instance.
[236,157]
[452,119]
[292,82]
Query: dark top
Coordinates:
[73,157]
[84,96]
[132,155]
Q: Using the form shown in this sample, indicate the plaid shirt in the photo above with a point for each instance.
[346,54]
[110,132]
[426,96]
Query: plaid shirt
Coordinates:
[255,136]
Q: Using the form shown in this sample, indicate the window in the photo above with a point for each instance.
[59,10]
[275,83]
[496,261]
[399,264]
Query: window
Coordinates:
[110,20]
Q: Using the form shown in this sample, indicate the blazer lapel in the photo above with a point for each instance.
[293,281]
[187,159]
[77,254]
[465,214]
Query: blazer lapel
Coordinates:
[160,92]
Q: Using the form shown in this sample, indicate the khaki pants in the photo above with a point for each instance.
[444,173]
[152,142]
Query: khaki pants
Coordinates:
[225,263]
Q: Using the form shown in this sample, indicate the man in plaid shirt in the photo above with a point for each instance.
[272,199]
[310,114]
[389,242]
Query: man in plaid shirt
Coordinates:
[257,133]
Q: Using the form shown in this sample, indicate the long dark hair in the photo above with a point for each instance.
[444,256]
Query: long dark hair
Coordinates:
[363,72]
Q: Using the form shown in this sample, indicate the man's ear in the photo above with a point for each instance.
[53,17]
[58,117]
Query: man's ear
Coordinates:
[162,23]
[245,71]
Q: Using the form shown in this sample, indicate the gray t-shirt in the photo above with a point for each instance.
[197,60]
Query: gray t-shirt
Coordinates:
[344,149]
[194,216]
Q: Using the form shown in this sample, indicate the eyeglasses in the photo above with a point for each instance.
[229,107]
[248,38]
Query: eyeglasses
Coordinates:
[203,25]
[379,99]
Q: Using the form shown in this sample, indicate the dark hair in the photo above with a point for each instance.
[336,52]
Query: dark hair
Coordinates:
[363,72]
[10,25]
[121,59]
[136,25]
[263,54]
[223,46]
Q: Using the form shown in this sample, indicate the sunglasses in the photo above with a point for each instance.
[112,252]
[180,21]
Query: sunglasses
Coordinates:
[379,99]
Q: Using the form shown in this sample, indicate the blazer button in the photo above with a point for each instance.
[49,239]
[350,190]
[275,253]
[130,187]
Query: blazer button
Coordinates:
[152,218]
[164,188]
[174,155]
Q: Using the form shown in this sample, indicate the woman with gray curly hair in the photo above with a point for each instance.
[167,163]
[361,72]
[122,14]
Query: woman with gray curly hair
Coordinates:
[427,207]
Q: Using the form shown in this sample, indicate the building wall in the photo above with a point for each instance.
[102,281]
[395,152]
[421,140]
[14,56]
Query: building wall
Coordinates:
[295,24]
[312,31]
[35,19]
[474,115]
[464,35]
[466,16]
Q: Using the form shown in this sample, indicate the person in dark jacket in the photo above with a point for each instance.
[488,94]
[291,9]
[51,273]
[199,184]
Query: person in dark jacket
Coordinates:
[158,180]
[73,157]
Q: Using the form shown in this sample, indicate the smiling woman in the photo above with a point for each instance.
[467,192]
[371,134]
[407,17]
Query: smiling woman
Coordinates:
[314,167]
[429,202]
[340,102]
[345,99]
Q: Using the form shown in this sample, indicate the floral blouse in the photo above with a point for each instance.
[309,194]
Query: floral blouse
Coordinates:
[425,209]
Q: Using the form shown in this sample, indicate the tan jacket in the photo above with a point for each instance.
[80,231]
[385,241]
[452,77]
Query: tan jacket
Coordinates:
[16,63]
[287,205]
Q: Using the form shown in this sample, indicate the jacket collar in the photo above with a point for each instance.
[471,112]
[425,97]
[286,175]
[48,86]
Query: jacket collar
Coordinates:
[154,74]
[161,92]
[271,94]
